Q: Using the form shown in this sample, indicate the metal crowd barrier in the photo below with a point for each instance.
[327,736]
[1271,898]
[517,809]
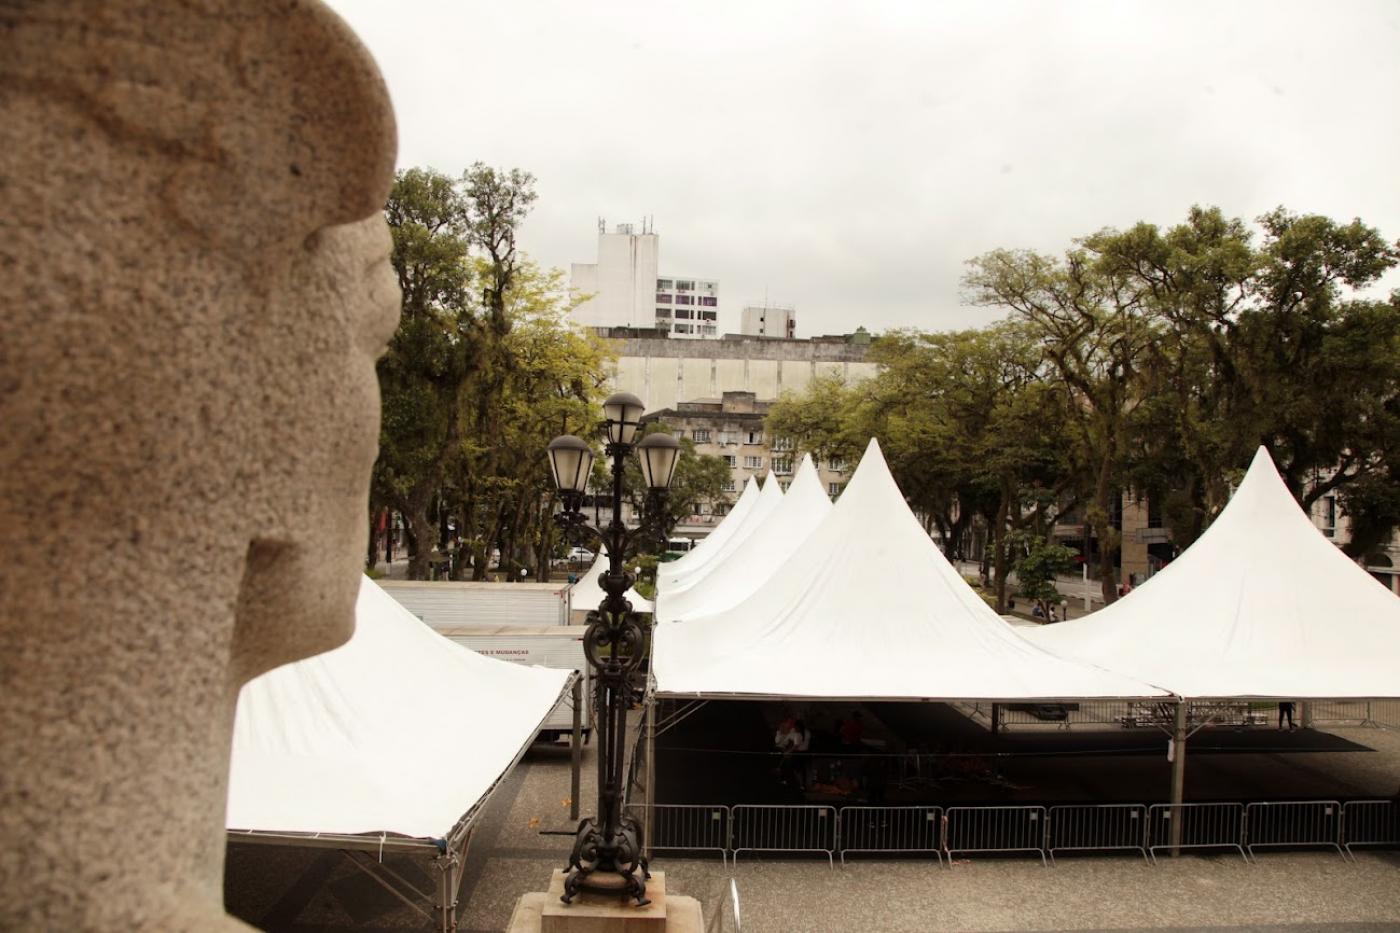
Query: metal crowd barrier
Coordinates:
[782,828]
[1370,823]
[906,830]
[687,827]
[1203,826]
[1098,827]
[1294,823]
[994,829]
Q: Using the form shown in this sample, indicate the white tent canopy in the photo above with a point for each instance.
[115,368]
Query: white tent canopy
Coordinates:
[587,594]
[867,607]
[398,731]
[669,575]
[1262,605]
[730,581]
[709,545]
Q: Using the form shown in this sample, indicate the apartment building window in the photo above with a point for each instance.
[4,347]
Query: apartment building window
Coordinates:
[753,463]
[753,437]
[709,302]
[731,461]
[663,299]
[685,313]
[663,285]
[836,465]
[782,443]
[685,299]
[1329,516]
[728,485]
[700,436]
[727,437]
[833,489]
[709,315]
[663,312]
[707,329]
[782,465]
[684,285]
[683,328]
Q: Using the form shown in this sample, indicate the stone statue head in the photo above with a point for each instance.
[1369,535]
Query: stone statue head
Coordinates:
[194,288]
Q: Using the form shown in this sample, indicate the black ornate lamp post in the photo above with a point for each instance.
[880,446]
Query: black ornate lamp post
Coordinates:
[607,856]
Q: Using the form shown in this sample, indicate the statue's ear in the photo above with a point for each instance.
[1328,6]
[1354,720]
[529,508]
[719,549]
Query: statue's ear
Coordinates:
[306,138]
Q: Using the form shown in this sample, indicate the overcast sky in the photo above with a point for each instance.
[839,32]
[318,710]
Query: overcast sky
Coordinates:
[849,158]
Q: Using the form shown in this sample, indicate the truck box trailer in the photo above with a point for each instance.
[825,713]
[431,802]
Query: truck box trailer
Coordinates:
[530,605]
[558,646]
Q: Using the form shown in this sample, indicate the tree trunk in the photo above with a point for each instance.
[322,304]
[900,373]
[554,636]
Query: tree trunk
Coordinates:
[422,528]
[999,551]
[1100,516]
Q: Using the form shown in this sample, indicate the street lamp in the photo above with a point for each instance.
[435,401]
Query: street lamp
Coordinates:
[609,845]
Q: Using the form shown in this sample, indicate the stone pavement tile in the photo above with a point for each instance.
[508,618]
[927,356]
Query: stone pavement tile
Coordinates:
[501,884]
[542,801]
[1080,894]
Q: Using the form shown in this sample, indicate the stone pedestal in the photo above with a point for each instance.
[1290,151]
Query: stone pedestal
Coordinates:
[544,912]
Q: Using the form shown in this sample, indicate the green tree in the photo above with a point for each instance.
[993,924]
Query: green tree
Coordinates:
[430,357]
[1037,564]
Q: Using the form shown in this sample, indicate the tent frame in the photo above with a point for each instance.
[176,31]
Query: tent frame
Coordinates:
[447,855]
[1180,732]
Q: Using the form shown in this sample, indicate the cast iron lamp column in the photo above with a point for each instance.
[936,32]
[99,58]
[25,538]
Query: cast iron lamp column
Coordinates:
[607,855]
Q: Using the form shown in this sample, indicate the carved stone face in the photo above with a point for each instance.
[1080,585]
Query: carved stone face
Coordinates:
[298,594]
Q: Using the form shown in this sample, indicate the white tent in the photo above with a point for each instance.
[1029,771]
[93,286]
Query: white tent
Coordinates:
[398,731]
[735,578]
[587,594]
[867,607]
[669,575]
[1262,605]
[709,545]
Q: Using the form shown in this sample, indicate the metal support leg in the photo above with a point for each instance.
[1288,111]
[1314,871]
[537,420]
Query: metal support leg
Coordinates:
[449,867]
[576,749]
[651,773]
[1178,776]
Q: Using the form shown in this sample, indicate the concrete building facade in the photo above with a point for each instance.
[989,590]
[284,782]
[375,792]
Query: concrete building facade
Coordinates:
[768,321]
[732,427]
[663,372]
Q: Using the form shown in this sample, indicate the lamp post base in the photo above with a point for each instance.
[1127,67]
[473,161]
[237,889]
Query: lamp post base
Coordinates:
[607,867]
[543,912]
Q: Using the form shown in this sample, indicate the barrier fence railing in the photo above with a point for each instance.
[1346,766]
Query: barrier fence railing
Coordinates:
[906,830]
[994,829]
[1201,826]
[1098,827]
[782,828]
[1294,823]
[942,832]
[1370,823]
[687,827]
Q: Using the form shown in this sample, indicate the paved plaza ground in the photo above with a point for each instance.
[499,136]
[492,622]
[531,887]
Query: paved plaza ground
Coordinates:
[308,890]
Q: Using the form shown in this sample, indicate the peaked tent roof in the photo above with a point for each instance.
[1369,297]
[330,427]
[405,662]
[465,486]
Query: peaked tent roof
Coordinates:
[587,594]
[1262,605]
[336,743]
[868,607]
[768,499]
[762,552]
[712,542]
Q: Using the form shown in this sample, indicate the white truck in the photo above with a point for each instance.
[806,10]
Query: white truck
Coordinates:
[533,605]
[558,646]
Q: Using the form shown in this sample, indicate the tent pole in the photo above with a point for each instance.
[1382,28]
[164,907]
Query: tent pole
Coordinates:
[1178,775]
[651,772]
[576,748]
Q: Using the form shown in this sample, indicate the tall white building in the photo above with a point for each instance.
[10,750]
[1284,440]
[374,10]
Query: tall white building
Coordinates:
[769,321]
[626,290]
[622,282]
